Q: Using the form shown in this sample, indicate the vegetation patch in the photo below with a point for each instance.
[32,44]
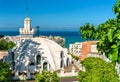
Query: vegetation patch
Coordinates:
[97,70]
[4,45]
[47,76]
[4,72]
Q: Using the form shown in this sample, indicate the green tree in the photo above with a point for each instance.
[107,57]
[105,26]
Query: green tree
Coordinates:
[88,31]
[10,45]
[4,45]
[109,39]
[108,36]
[4,72]
[97,70]
[47,76]
[116,10]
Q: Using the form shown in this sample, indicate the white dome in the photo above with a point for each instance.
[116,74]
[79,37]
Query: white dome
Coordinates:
[27,51]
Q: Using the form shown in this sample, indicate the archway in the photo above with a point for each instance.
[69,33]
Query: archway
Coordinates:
[45,66]
[62,64]
[38,59]
[61,54]
[67,62]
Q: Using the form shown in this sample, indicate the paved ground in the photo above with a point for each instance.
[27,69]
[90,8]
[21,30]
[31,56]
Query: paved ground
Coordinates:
[61,80]
[2,54]
[68,80]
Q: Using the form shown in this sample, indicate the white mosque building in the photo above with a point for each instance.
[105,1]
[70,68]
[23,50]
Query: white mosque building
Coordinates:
[34,55]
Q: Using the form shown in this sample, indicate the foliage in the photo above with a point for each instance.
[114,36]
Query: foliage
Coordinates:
[4,45]
[4,72]
[88,31]
[47,76]
[97,70]
[109,40]
[75,57]
[116,10]
[108,35]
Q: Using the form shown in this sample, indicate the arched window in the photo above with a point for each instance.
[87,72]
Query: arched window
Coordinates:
[38,59]
[45,66]
[12,56]
[13,63]
[62,64]
[61,54]
[67,62]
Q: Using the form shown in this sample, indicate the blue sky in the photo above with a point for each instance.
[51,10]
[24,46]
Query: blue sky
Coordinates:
[67,15]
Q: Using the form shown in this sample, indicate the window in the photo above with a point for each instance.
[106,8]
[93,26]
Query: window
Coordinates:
[13,63]
[67,62]
[12,56]
[45,66]
[61,54]
[32,63]
[38,59]
[62,64]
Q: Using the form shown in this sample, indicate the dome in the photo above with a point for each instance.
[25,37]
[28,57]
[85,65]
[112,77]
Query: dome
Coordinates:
[38,53]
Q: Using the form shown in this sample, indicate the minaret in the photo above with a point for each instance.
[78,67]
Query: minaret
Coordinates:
[27,31]
[27,23]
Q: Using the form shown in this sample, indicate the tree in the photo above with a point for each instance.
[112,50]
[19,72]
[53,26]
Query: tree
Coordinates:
[108,36]
[88,31]
[47,76]
[4,45]
[10,45]
[97,70]
[109,39]
[116,10]
[4,72]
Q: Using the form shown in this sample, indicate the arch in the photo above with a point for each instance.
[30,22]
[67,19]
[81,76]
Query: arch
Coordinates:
[67,62]
[13,63]
[38,59]
[61,63]
[45,66]
[61,54]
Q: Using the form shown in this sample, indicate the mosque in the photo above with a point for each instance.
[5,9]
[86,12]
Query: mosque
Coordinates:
[34,54]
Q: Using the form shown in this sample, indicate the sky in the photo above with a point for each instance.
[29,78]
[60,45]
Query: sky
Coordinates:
[54,15]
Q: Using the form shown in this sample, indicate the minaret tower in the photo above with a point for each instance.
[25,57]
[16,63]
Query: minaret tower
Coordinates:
[27,31]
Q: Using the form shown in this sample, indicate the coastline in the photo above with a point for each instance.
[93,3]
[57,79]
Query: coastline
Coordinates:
[70,36]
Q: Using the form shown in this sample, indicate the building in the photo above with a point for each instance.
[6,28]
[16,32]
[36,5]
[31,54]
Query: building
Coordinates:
[27,31]
[34,55]
[75,48]
[89,49]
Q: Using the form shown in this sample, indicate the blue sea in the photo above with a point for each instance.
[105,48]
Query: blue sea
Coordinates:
[70,36]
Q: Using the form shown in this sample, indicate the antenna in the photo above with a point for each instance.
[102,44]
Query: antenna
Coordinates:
[27,8]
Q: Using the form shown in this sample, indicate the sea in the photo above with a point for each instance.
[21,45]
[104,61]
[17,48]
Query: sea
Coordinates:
[70,36]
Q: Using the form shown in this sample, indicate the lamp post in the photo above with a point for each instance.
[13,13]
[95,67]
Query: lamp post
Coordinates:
[37,30]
